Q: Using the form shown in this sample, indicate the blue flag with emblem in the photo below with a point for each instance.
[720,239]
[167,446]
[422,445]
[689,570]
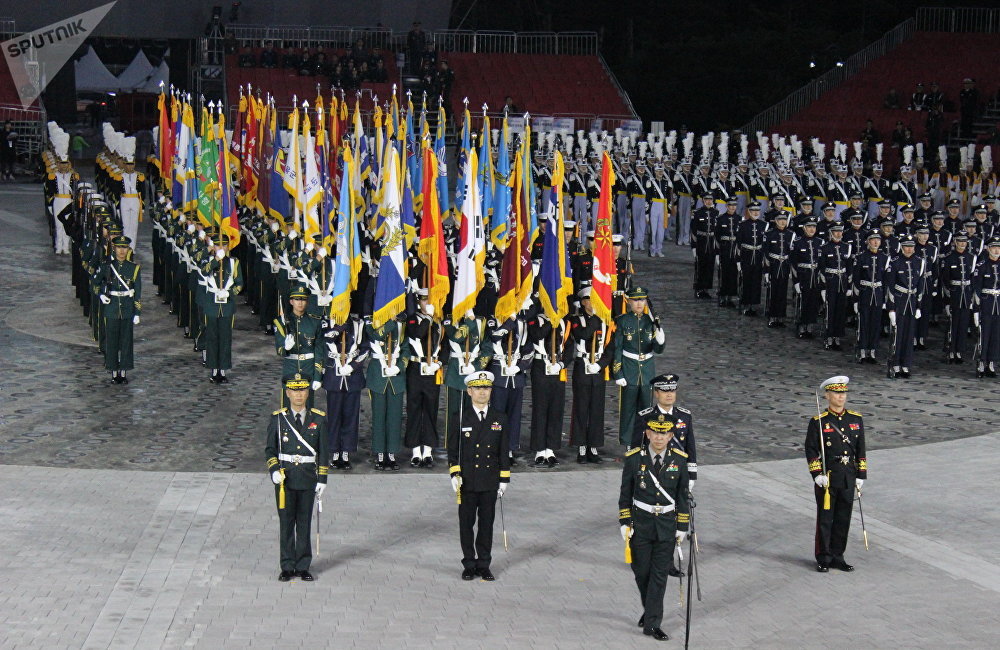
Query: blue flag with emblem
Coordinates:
[390,285]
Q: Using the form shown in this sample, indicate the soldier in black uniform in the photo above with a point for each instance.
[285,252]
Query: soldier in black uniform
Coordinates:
[750,238]
[703,245]
[835,451]
[904,292]
[729,255]
[591,342]
[297,461]
[957,270]
[835,260]
[868,282]
[479,464]
[423,382]
[654,516]
[804,258]
[777,246]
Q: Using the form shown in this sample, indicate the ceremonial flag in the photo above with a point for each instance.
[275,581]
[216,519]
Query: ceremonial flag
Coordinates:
[484,171]
[516,273]
[229,222]
[605,273]
[239,135]
[312,190]
[556,283]
[184,131]
[165,144]
[208,173]
[441,155]
[265,159]
[469,276]
[347,261]
[292,178]
[465,173]
[528,183]
[431,247]
[250,169]
[279,204]
[500,218]
[390,286]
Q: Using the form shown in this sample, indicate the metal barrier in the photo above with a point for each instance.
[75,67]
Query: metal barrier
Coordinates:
[960,19]
[7,29]
[308,36]
[801,98]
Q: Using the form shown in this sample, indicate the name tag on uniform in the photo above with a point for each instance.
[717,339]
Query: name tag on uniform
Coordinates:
[466,428]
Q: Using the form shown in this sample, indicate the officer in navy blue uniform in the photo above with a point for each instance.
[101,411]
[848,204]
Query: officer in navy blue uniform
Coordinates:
[868,283]
[296,454]
[957,269]
[479,465]
[904,292]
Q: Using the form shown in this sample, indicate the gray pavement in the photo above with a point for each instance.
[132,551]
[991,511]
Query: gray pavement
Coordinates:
[139,516]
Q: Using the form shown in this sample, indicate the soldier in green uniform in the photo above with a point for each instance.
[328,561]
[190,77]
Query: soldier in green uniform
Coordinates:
[835,450]
[638,336]
[654,516]
[224,281]
[121,295]
[298,340]
[296,454]
[385,379]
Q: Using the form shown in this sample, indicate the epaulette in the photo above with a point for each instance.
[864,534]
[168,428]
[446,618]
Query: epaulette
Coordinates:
[633,451]
[853,412]
[317,317]
[824,413]
[280,411]
[318,412]
[675,450]
[647,410]
[682,409]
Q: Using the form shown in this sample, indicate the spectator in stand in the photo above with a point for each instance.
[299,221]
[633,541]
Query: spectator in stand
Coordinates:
[510,106]
[443,80]
[380,75]
[8,151]
[430,55]
[350,79]
[375,57]
[320,67]
[898,134]
[337,76]
[291,59]
[246,58]
[935,97]
[869,135]
[935,120]
[908,139]
[891,99]
[268,58]
[360,54]
[427,78]
[918,100]
[364,74]
[416,43]
[306,63]
[968,104]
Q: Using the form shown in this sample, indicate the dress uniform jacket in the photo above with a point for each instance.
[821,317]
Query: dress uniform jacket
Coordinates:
[308,356]
[638,489]
[483,461]
[682,424]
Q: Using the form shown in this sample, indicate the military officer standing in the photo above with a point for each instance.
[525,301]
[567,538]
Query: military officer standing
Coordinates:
[835,270]
[121,295]
[386,382]
[343,380]
[986,286]
[638,336]
[956,283]
[835,451]
[904,292]
[297,461]
[224,282]
[654,516]
[777,269]
[591,341]
[750,264]
[479,464]
[298,339]
[423,382]
[703,246]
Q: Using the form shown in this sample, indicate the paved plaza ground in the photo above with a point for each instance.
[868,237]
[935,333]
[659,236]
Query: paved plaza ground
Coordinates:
[140,515]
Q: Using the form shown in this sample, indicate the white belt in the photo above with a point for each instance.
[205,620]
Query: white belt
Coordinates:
[123,294]
[837,271]
[296,458]
[656,510]
[301,357]
[991,292]
[867,283]
[806,266]
[727,238]
[749,247]
[904,289]
[775,256]
[637,357]
[960,283]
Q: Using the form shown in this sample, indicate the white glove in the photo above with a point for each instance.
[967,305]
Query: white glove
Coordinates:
[502,489]
[277,478]
[660,337]
[466,370]
[292,234]
[622,382]
[849,293]
[917,314]
[316,385]
[694,253]
[798,289]
[691,483]
[319,490]
[859,482]
[822,295]
[324,301]
[975,318]
[456,482]
[135,319]
[739,267]
[552,368]
[220,253]
[626,533]
[289,341]
[471,315]
[591,368]
[823,481]
[892,318]
[508,371]
[429,309]
[680,536]
[346,370]
[947,310]
[223,293]
[105,300]
[392,371]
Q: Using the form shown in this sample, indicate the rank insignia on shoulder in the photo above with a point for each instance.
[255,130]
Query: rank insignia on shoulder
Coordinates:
[318,412]
[280,411]
[633,451]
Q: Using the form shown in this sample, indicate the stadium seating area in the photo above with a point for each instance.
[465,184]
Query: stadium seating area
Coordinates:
[926,57]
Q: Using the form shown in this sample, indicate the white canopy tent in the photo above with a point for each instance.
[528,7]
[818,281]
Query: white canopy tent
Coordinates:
[92,75]
[137,73]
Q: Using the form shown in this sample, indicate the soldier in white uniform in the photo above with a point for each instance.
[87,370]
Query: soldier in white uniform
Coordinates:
[131,202]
